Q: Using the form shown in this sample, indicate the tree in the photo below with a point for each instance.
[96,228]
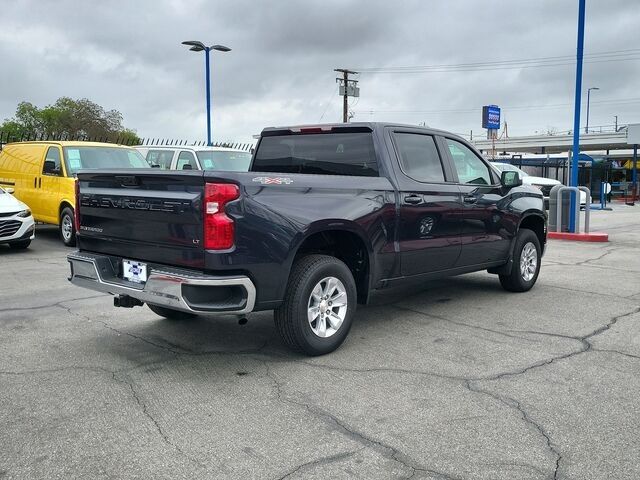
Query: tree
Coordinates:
[67,119]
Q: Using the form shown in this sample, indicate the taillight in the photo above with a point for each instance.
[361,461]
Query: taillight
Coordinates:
[219,229]
[76,211]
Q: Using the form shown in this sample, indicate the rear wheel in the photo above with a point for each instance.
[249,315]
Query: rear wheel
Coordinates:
[67,227]
[22,245]
[319,305]
[170,313]
[526,263]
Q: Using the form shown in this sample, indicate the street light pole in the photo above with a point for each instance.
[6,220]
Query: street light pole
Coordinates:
[586,128]
[201,47]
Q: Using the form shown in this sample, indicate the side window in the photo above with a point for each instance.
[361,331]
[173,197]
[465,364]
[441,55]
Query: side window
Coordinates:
[419,157]
[469,167]
[51,164]
[162,158]
[186,161]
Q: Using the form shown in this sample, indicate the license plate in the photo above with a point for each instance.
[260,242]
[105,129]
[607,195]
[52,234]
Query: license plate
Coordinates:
[134,271]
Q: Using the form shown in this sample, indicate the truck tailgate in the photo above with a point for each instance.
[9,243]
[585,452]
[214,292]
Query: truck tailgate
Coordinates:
[142,214]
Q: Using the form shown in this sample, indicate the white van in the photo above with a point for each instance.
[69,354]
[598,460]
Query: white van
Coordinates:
[196,158]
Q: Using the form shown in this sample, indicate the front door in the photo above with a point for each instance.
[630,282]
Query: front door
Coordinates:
[429,203]
[483,233]
[49,185]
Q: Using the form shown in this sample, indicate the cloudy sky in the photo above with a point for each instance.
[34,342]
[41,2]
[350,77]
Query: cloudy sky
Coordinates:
[127,55]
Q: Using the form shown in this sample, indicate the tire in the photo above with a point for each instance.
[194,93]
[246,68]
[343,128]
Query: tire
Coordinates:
[317,275]
[22,245]
[170,313]
[524,271]
[68,227]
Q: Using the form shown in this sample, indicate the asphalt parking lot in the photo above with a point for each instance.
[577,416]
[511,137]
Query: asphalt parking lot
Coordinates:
[461,380]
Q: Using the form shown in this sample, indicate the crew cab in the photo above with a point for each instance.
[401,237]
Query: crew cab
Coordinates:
[326,217]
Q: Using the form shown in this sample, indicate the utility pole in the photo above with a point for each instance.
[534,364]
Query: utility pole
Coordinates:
[348,88]
[616,117]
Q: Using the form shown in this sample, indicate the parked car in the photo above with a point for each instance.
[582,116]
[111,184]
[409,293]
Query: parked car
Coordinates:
[327,217]
[43,175]
[544,184]
[196,158]
[17,227]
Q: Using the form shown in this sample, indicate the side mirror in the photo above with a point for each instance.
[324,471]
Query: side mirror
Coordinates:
[50,168]
[510,179]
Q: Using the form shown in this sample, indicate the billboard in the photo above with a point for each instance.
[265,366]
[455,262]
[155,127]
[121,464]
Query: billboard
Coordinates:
[491,117]
[633,134]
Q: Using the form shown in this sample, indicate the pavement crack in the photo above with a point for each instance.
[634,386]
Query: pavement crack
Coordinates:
[516,405]
[50,305]
[618,352]
[365,440]
[158,427]
[320,461]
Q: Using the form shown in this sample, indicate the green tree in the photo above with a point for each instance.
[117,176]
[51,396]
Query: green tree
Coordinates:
[67,119]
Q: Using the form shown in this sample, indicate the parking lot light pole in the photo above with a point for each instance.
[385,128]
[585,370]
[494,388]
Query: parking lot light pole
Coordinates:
[576,115]
[586,128]
[199,47]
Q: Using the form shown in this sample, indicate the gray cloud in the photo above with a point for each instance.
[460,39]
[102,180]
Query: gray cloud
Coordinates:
[127,55]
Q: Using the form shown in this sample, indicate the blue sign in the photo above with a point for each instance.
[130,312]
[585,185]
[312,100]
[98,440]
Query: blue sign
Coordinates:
[491,117]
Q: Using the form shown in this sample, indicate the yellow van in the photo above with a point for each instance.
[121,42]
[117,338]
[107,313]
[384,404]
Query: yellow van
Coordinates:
[42,175]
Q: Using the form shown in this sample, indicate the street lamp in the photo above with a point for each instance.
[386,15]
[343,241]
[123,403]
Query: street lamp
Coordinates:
[199,47]
[586,128]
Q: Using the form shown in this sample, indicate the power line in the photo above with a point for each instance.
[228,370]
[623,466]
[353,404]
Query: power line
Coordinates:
[505,107]
[611,56]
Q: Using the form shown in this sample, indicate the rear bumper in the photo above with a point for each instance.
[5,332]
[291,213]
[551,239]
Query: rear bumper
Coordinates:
[184,290]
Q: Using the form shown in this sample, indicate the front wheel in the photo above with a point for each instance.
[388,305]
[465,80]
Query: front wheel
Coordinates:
[319,305]
[67,227]
[526,263]
[170,313]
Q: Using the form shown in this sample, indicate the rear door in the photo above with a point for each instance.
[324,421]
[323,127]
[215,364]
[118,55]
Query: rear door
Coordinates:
[429,204]
[483,234]
[143,214]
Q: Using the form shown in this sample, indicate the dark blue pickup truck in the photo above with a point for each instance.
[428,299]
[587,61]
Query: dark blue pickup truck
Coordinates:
[326,217]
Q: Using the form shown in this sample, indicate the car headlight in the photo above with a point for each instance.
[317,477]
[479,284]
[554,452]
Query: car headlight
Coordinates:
[24,213]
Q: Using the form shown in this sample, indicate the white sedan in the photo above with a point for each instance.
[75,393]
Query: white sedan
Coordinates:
[17,227]
[544,184]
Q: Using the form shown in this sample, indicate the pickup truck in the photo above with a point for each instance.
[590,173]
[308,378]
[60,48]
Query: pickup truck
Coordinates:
[327,217]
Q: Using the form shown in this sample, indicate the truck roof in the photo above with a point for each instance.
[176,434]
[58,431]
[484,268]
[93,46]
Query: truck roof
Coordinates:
[353,125]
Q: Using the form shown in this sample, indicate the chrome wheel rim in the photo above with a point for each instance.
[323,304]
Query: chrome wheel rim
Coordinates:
[67,227]
[528,261]
[327,307]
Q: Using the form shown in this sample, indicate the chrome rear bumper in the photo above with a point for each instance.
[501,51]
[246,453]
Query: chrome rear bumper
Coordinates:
[183,290]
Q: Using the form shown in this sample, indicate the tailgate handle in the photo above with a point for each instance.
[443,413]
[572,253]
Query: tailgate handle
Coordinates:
[128,180]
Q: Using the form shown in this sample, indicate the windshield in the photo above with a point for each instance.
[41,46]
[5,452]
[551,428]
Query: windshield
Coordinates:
[504,167]
[230,161]
[77,158]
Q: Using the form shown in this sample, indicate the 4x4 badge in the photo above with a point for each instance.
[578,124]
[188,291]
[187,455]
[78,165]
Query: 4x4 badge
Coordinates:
[273,180]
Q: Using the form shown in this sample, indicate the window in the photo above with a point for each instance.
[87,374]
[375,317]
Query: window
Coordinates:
[186,161]
[229,160]
[419,157]
[469,167]
[162,158]
[325,154]
[102,157]
[53,155]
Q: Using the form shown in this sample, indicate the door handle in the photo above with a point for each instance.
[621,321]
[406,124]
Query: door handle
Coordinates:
[470,199]
[413,199]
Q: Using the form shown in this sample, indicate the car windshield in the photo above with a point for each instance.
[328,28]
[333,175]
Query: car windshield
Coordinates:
[230,160]
[504,167]
[78,158]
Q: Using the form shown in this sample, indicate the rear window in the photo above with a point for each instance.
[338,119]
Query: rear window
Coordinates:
[229,161]
[325,154]
[77,158]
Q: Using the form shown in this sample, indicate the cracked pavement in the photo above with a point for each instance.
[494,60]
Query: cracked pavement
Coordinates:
[460,380]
